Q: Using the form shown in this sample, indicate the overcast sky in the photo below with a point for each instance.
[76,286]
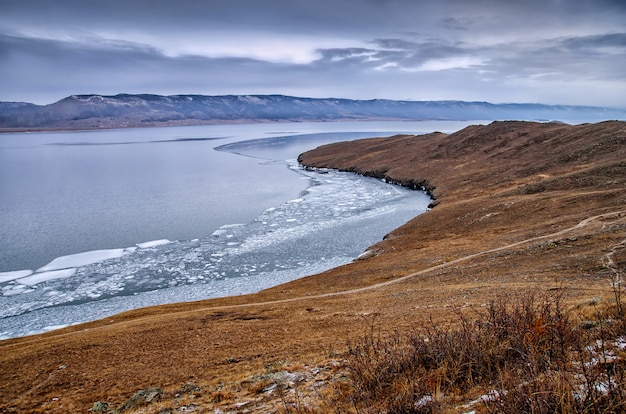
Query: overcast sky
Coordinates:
[547,51]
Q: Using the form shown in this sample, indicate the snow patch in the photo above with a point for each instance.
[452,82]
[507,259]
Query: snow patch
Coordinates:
[252,100]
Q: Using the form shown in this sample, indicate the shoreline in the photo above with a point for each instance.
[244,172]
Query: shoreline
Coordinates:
[42,256]
[67,266]
[523,207]
[409,183]
[242,121]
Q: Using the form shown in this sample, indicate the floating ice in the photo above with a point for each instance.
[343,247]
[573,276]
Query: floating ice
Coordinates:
[53,327]
[8,276]
[331,223]
[46,276]
[153,243]
[81,259]
[13,290]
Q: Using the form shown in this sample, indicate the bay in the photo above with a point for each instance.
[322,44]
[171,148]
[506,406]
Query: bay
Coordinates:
[228,221]
[67,192]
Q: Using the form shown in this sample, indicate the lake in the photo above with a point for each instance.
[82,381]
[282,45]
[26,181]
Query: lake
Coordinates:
[97,222]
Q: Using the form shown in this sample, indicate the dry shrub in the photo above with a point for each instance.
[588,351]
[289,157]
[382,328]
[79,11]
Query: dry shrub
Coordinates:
[222,395]
[525,353]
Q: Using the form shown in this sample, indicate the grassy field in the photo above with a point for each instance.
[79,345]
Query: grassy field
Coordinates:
[523,250]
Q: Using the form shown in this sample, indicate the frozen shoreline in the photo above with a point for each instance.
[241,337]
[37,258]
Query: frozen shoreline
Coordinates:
[338,217]
[65,266]
[333,220]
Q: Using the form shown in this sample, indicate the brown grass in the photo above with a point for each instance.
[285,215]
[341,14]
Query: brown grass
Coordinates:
[520,207]
[524,354]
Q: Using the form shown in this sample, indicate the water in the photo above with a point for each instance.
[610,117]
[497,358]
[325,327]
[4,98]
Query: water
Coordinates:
[223,222]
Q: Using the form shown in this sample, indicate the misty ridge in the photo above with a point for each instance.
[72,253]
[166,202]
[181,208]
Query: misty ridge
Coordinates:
[127,110]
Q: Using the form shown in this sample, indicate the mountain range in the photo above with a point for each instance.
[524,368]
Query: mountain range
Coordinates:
[126,110]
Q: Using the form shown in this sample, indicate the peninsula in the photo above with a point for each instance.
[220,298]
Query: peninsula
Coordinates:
[517,207]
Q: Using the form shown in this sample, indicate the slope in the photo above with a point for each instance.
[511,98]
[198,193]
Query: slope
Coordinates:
[518,206]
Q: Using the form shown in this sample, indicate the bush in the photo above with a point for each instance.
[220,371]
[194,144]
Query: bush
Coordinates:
[523,354]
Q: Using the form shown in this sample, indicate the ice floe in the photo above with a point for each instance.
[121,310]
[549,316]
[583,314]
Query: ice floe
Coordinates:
[153,243]
[338,217]
[16,274]
[37,278]
[82,259]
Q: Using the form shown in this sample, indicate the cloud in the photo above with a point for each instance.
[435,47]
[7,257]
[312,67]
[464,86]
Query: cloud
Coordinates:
[399,49]
[614,43]
[402,54]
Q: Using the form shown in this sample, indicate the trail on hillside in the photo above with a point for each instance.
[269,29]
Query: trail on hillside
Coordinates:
[440,266]
[579,225]
[420,272]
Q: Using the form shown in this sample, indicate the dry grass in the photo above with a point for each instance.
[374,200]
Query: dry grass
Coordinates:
[520,207]
[523,355]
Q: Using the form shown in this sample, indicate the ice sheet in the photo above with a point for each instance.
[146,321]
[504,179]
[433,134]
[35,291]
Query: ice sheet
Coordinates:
[82,259]
[338,217]
[16,274]
[153,243]
[46,276]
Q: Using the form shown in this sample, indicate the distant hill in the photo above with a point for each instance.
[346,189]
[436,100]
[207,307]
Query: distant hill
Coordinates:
[124,110]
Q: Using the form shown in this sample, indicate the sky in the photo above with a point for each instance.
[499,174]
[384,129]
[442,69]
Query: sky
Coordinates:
[538,51]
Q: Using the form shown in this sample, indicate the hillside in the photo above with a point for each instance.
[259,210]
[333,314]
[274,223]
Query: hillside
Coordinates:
[125,110]
[518,206]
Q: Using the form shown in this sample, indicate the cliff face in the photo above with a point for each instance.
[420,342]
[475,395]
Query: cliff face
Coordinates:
[496,184]
[507,157]
[520,206]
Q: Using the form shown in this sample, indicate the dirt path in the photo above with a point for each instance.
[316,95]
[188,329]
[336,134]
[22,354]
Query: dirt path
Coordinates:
[419,273]
[377,285]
